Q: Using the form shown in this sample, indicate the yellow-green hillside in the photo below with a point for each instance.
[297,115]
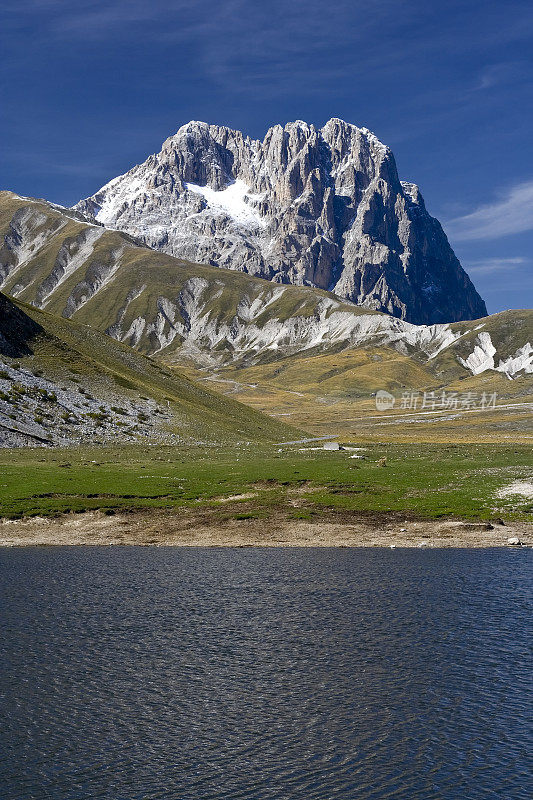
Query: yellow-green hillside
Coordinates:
[62,381]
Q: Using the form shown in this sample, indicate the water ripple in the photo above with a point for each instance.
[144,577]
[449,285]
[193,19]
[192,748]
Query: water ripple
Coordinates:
[190,674]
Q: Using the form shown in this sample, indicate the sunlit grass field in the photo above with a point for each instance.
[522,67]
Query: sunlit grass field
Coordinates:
[260,480]
[334,393]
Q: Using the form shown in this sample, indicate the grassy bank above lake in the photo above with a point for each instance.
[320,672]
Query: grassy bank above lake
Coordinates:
[475,482]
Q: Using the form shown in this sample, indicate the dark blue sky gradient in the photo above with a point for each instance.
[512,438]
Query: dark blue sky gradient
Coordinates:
[90,88]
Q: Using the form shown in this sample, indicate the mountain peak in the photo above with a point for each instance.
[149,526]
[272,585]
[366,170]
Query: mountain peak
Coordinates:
[309,206]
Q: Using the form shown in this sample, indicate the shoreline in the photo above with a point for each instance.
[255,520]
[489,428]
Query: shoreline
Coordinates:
[186,528]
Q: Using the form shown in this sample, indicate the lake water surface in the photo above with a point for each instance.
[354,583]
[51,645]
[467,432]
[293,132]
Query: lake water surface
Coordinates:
[188,674]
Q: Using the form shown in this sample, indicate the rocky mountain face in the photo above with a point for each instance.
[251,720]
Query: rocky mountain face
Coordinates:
[319,207]
[180,311]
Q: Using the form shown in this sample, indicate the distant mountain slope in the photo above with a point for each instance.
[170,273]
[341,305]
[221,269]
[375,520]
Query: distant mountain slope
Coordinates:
[435,400]
[321,207]
[176,310]
[62,382]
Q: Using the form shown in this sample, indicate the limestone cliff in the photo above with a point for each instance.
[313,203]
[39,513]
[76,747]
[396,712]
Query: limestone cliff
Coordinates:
[321,207]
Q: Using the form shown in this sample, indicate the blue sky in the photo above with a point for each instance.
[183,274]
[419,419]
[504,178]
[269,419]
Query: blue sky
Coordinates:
[90,88]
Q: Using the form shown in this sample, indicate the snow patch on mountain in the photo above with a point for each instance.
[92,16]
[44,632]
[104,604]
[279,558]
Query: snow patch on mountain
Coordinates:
[233,201]
[482,357]
[522,361]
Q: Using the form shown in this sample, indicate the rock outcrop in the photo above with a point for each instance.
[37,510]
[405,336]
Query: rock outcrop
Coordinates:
[320,207]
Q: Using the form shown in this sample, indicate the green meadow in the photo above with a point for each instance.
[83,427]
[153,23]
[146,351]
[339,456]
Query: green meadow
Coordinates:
[250,481]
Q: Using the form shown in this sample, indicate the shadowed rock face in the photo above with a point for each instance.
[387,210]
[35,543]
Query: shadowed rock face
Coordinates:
[16,330]
[322,207]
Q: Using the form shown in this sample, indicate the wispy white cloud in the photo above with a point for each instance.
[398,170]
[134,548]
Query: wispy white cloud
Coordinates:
[512,213]
[495,266]
[502,73]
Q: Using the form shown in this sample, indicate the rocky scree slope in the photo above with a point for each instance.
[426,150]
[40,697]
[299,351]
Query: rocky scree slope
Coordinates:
[320,207]
[64,383]
[177,310]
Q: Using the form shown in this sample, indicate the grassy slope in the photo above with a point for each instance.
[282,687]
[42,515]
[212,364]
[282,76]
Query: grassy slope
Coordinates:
[332,393]
[433,481]
[147,274]
[65,350]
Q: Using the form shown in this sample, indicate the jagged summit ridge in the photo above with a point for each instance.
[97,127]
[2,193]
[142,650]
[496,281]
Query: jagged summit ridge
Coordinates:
[309,206]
